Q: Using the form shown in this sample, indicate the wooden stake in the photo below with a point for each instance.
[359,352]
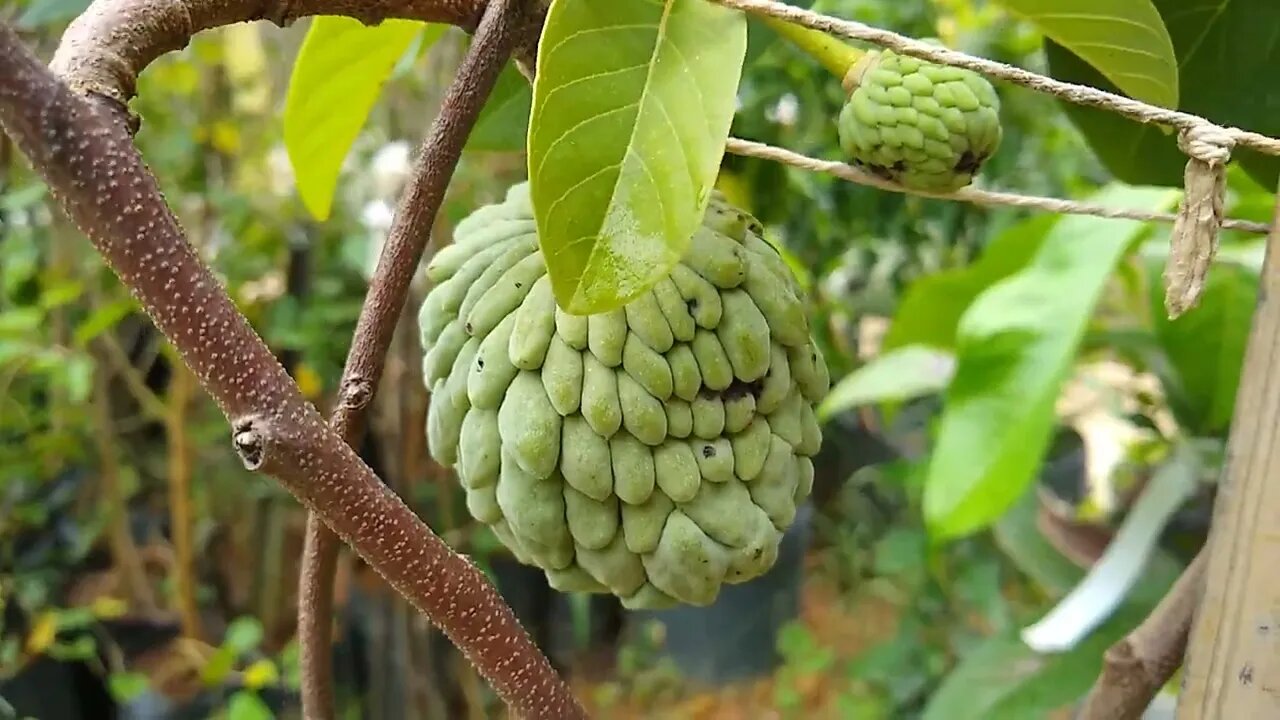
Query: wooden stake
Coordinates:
[1232,668]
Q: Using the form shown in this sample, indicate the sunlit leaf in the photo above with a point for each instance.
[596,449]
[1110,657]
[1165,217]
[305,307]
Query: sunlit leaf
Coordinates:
[631,108]
[1125,40]
[901,374]
[1014,347]
[931,307]
[337,77]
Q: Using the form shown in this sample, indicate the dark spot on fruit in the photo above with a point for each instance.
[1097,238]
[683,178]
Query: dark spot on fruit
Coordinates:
[479,363]
[968,162]
[880,171]
[519,285]
[708,451]
[468,328]
[739,389]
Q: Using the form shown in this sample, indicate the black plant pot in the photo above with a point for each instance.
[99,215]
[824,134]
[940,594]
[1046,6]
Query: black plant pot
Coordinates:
[735,638]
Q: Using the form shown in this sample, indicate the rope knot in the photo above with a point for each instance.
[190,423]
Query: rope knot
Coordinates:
[1195,232]
[1207,143]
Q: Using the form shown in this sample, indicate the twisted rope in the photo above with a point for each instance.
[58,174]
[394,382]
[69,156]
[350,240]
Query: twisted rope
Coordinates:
[986,198]
[1077,94]
[1194,240]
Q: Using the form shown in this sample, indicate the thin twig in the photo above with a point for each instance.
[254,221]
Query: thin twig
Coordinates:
[150,403]
[124,551]
[1077,94]
[1137,666]
[750,148]
[84,152]
[181,521]
[438,156]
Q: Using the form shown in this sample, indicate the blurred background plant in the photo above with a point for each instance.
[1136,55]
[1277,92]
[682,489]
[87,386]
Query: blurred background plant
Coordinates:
[982,452]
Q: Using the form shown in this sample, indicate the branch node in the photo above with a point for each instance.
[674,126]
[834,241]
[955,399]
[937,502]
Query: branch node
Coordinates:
[356,393]
[250,442]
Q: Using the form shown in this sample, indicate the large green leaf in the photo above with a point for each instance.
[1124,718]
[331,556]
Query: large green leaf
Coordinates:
[931,307]
[337,77]
[631,108]
[1227,55]
[901,374]
[1003,679]
[1014,346]
[1125,40]
[1205,346]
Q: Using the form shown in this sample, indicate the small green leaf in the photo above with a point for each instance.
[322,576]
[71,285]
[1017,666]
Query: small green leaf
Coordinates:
[243,634]
[931,307]
[1015,346]
[503,123]
[1003,679]
[125,686]
[1125,40]
[901,374]
[246,705]
[337,77]
[631,108]
[1205,346]
[103,318]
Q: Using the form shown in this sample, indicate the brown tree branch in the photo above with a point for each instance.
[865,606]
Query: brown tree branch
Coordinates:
[438,156]
[105,48]
[86,156]
[1137,666]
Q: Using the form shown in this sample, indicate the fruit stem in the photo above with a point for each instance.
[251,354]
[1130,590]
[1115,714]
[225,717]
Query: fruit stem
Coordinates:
[833,54]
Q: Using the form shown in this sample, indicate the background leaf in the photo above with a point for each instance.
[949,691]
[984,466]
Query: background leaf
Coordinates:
[1205,346]
[1015,345]
[503,123]
[931,308]
[897,375]
[631,107]
[1125,40]
[1227,54]
[1003,679]
[337,77]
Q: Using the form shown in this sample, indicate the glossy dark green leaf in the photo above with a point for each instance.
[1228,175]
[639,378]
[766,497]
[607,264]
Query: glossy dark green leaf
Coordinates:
[1227,55]
[503,124]
[1205,346]
[1003,679]
[631,108]
[1014,346]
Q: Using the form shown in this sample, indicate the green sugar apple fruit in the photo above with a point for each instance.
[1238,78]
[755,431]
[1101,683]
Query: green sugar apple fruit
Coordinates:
[927,127]
[655,452]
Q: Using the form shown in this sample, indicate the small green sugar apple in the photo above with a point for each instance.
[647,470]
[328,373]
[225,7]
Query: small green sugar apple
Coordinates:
[655,452]
[927,127]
